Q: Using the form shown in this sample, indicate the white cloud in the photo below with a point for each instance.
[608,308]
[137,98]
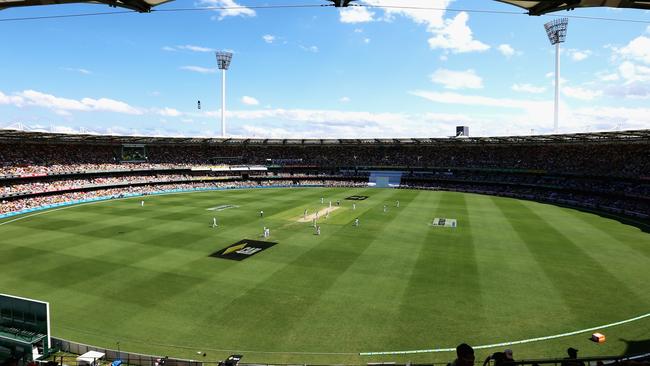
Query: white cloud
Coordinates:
[199,69]
[477,100]
[79,70]
[456,37]
[193,48]
[228,8]
[344,100]
[632,90]
[452,35]
[457,79]
[638,49]
[169,112]
[63,106]
[168,49]
[528,88]
[579,55]
[581,93]
[268,38]
[11,99]
[356,14]
[249,100]
[604,76]
[632,72]
[506,50]
[312,49]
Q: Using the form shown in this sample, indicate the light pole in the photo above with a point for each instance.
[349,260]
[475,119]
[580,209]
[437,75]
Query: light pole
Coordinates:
[556,31]
[223,62]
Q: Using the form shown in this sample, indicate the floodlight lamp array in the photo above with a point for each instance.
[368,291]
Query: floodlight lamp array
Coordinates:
[556,30]
[223,59]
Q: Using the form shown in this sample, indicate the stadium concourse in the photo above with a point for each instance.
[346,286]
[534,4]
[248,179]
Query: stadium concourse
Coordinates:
[607,172]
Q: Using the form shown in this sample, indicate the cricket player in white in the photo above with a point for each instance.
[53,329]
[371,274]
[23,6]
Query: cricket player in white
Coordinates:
[142,203]
[397,204]
[356,222]
[261,213]
[322,200]
[318,230]
[354,206]
[385,208]
[330,204]
[304,215]
[214,222]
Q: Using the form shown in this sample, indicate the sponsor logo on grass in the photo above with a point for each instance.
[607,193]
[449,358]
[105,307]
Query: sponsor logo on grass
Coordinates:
[221,208]
[356,198]
[443,222]
[242,249]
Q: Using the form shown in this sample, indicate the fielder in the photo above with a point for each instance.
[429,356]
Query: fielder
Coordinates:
[261,213]
[322,200]
[318,230]
[214,222]
[397,204]
[385,208]
[142,203]
[354,206]
[356,222]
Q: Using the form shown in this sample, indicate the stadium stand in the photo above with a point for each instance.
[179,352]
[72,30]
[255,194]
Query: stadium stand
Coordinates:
[599,171]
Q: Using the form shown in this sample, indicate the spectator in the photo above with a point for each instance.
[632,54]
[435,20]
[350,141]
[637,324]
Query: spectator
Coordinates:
[464,355]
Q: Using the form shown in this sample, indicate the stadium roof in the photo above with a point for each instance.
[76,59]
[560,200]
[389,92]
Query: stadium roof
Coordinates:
[61,138]
[539,7]
[142,6]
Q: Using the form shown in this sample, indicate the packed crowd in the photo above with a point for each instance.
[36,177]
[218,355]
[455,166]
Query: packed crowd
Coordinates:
[69,184]
[604,185]
[599,159]
[31,170]
[38,201]
[636,208]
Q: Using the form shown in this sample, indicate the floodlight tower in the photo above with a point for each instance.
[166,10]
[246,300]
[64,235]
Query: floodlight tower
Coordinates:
[223,62]
[556,31]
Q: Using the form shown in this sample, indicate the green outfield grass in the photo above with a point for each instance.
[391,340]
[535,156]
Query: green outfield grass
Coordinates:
[511,270]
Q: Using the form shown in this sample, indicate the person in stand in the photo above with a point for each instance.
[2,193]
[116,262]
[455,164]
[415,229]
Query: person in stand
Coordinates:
[572,360]
[464,355]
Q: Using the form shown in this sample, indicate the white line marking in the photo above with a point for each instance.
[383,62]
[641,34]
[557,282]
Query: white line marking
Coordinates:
[509,343]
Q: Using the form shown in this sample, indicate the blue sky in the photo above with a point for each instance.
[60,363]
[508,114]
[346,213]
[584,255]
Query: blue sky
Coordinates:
[321,72]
